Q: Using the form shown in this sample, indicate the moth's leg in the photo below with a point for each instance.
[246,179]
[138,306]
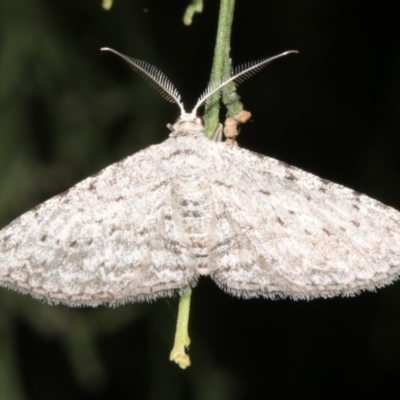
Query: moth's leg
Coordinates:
[217,135]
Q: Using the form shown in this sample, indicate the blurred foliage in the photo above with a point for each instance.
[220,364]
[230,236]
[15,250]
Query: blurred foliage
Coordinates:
[68,110]
[196,6]
[107,4]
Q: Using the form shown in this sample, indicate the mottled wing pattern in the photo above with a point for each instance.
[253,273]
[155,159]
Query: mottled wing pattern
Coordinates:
[108,240]
[284,232]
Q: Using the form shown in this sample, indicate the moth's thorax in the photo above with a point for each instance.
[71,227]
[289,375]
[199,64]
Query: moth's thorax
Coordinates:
[187,124]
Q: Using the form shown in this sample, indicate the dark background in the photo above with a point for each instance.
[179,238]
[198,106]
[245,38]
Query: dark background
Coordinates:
[68,110]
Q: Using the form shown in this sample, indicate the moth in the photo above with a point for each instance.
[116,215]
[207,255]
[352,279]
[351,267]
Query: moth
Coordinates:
[152,224]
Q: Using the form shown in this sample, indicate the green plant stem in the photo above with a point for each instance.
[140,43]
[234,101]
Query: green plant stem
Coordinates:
[220,70]
[182,340]
[221,63]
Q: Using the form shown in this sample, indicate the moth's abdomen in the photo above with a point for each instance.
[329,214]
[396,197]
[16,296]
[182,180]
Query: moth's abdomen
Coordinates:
[196,218]
[195,214]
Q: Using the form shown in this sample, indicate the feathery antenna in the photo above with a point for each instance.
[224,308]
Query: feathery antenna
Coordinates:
[240,74]
[168,91]
[154,76]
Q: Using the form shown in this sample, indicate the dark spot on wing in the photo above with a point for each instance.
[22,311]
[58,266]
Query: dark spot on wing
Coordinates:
[343,229]
[92,185]
[355,223]
[192,214]
[43,238]
[185,152]
[292,212]
[307,232]
[383,206]
[325,185]
[158,185]
[357,195]
[326,231]
[185,203]
[280,221]
[73,243]
[290,177]
[355,206]
[266,192]
[220,183]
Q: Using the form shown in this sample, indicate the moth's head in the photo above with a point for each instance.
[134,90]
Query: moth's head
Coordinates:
[188,122]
